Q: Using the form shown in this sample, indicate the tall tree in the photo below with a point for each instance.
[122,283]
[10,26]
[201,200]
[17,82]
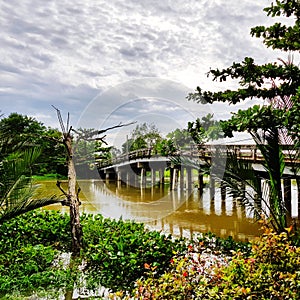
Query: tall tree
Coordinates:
[274,123]
[143,136]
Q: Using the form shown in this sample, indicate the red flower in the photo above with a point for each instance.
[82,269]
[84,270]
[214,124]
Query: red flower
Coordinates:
[185,274]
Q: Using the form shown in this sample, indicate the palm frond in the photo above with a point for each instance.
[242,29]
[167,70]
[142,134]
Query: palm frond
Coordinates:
[274,164]
[25,206]
[15,175]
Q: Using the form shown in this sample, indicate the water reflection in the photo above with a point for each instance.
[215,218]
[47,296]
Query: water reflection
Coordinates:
[176,212]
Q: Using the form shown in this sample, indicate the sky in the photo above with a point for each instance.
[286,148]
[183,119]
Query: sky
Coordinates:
[107,62]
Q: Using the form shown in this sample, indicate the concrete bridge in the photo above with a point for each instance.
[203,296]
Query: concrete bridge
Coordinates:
[138,167]
[185,169]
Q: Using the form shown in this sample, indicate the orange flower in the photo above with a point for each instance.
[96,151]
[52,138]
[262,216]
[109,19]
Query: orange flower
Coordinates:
[146,266]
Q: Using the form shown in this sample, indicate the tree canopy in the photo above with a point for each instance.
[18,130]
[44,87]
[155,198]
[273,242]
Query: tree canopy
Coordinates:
[277,82]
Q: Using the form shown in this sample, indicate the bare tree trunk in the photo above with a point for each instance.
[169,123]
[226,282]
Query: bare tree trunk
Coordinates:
[72,194]
[73,201]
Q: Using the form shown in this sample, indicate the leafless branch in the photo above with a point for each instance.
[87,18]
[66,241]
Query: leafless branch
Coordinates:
[58,184]
[68,122]
[97,132]
[61,122]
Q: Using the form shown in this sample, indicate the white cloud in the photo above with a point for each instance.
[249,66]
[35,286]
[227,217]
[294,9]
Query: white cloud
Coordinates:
[65,52]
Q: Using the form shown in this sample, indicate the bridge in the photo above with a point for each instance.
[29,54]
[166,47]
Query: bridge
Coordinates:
[134,167]
[145,167]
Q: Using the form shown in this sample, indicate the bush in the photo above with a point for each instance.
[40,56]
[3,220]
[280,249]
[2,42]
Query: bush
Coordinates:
[36,227]
[118,253]
[28,247]
[270,271]
[31,268]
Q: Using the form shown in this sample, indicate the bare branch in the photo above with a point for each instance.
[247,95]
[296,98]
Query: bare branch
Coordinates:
[61,122]
[68,122]
[97,132]
[58,184]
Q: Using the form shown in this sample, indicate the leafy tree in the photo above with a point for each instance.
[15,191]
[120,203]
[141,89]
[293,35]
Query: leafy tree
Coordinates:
[18,131]
[53,157]
[22,132]
[17,192]
[165,147]
[204,129]
[180,138]
[143,136]
[276,122]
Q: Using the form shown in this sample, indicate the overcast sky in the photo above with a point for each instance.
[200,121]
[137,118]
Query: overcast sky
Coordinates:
[121,60]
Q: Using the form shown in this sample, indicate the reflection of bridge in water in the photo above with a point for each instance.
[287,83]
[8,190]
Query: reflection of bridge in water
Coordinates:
[145,167]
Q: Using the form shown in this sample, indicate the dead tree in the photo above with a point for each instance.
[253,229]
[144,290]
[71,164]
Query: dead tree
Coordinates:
[72,193]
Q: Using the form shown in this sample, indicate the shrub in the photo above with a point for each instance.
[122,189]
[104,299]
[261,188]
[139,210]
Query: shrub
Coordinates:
[118,253]
[36,227]
[270,271]
[31,268]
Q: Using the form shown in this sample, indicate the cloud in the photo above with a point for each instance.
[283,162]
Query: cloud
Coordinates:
[65,53]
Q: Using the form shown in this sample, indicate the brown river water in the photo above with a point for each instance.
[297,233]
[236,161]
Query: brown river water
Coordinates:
[178,212]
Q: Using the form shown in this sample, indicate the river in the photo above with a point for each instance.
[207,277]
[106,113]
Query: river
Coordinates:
[180,213]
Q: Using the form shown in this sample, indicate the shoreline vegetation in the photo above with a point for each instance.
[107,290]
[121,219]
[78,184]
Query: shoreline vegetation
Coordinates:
[132,262]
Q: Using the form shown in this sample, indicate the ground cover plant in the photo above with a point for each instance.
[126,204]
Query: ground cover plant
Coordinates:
[114,255]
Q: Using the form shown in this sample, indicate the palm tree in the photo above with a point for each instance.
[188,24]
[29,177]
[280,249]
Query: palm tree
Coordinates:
[17,191]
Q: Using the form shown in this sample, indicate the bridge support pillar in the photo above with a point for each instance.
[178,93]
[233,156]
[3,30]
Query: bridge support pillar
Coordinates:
[287,194]
[171,177]
[212,187]
[189,183]
[175,179]
[153,177]
[200,181]
[161,177]
[119,175]
[181,180]
[143,177]
[223,192]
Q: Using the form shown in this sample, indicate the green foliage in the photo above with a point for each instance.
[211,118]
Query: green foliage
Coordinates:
[18,131]
[180,138]
[36,227]
[31,268]
[16,189]
[118,253]
[270,271]
[28,247]
[221,245]
[22,132]
[252,78]
[143,136]
[275,123]
[204,130]
[279,36]
[165,147]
